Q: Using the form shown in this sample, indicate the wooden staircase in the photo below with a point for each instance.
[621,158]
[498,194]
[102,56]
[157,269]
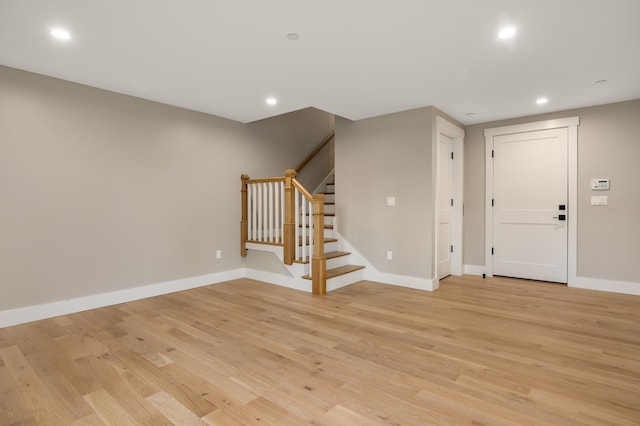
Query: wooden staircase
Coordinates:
[280,216]
[339,270]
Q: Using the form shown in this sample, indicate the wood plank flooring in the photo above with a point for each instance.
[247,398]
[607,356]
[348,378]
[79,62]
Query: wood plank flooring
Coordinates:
[492,352]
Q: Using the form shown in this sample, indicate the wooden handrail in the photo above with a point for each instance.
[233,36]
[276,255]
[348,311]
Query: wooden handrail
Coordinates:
[266,180]
[302,189]
[315,152]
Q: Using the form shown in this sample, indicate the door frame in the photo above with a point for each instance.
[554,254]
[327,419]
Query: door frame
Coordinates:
[569,123]
[456,134]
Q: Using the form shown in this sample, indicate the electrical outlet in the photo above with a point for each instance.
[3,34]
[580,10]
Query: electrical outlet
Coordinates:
[218,254]
[389,255]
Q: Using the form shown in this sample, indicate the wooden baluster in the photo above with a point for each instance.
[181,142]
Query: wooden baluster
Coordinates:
[244,228]
[319,262]
[289,228]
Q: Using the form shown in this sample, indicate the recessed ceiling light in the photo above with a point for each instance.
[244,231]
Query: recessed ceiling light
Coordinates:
[60,33]
[542,101]
[600,81]
[470,114]
[293,36]
[507,32]
[271,101]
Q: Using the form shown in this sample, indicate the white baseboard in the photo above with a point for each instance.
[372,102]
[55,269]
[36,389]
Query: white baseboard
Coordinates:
[372,274]
[624,287]
[344,280]
[474,270]
[69,306]
[401,280]
[64,307]
[279,279]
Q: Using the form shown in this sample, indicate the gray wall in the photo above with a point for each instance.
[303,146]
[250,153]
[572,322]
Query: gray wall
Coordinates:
[291,137]
[608,147]
[102,192]
[376,158]
[316,170]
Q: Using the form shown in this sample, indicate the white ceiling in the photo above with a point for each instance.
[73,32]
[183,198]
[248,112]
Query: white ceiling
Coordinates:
[354,58]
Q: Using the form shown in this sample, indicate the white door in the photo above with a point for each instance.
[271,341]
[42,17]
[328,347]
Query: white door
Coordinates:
[530,209]
[445,174]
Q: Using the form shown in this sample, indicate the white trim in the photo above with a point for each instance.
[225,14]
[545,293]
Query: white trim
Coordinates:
[488,212]
[277,250]
[532,127]
[570,124]
[324,181]
[474,270]
[280,280]
[344,280]
[624,287]
[572,173]
[402,281]
[70,306]
[370,273]
[445,127]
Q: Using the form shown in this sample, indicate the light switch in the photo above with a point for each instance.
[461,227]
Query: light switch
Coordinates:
[599,200]
[391,201]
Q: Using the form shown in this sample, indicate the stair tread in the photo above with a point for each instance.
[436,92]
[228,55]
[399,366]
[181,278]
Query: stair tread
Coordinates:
[327,193]
[326,240]
[326,214]
[334,254]
[328,255]
[325,226]
[336,272]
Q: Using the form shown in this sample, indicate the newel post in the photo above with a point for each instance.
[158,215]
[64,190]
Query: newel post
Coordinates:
[319,261]
[289,228]
[244,227]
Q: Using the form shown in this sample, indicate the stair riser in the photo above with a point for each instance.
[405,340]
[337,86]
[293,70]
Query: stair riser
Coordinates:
[329,198]
[328,220]
[337,262]
[344,280]
[333,246]
[329,208]
[328,233]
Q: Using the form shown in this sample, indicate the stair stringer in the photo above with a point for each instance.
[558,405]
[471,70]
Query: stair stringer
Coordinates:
[294,280]
[295,271]
[370,273]
[325,181]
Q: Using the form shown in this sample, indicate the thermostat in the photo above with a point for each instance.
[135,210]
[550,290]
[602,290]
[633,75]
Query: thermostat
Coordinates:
[600,184]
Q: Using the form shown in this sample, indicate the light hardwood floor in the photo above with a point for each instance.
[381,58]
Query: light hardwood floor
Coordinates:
[495,351]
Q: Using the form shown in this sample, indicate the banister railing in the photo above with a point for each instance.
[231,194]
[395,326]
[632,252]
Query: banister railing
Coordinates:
[280,211]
